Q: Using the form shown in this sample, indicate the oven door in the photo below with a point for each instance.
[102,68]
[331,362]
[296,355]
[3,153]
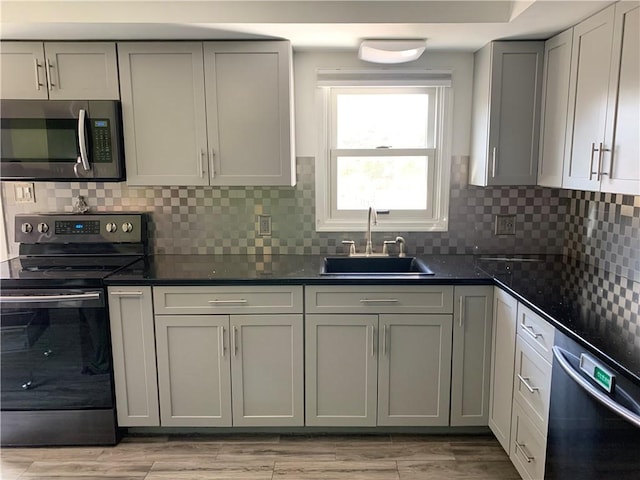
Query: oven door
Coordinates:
[61,140]
[56,352]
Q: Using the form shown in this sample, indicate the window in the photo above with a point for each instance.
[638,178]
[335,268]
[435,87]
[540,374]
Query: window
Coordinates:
[384,146]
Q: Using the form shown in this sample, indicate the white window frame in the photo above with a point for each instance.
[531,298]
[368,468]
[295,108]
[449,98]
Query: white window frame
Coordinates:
[434,219]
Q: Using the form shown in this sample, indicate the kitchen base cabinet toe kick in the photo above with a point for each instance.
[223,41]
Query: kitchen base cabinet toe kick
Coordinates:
[246,357]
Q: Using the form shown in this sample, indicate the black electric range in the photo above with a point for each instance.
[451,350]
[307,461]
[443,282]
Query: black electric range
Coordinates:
[56,371]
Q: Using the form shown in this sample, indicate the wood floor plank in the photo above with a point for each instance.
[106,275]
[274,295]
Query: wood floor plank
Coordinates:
[54,453]
[99,469]
[227,438]
[152,452]
[12,470]
[457,470]
[205,470]
[395,451]
[275,452]
[336,470]
[478,452]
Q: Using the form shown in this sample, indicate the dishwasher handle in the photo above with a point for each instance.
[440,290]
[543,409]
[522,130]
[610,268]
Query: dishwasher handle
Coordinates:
[592,391]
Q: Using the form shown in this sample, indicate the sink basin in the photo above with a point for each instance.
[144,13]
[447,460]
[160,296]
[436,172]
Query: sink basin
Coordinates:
[374,266]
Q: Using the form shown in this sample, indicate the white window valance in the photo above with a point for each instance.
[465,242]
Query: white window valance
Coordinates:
[383,78]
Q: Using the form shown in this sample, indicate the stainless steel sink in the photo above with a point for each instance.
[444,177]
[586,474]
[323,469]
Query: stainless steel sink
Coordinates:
[374,266]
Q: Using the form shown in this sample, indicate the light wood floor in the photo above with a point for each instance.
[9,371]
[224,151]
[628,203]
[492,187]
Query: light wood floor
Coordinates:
[268,457]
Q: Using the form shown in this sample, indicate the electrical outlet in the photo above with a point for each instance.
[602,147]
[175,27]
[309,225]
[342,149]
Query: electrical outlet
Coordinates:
[24,192]
[505,225]
[264,225]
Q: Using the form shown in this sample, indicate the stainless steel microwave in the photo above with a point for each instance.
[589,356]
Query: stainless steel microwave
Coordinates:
[61,140]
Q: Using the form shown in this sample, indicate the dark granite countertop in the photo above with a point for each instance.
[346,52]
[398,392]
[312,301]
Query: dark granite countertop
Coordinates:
[598,309]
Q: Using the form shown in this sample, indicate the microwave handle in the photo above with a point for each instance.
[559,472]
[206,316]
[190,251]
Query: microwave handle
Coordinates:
[82,141]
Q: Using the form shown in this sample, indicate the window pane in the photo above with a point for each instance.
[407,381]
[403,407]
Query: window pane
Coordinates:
[394,183]
[393,120]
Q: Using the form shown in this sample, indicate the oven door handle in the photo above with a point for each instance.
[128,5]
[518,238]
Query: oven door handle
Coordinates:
[49,298]
[592,391]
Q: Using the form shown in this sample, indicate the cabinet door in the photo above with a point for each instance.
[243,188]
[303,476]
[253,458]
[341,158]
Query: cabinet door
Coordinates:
[503,346]
[194,373]
[623,112]
[514,118]
[134,356]
[163,110]
[249,112]
[590,63]
[471,362]
[82,71]
[267,370]
[555,101]
[22,71]
[414,370]
[341,361]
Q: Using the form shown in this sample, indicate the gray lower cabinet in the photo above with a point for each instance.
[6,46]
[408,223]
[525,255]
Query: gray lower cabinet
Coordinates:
[228,368]
[505,312]
[134,356]
[372,357]
[471,361]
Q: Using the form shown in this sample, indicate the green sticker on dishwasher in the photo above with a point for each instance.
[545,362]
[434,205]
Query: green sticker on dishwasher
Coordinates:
[602,377]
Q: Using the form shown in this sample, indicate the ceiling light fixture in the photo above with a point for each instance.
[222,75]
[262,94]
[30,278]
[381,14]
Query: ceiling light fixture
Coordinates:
[391,51]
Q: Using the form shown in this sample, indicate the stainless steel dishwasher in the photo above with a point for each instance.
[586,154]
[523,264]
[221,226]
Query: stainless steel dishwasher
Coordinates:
[594,418]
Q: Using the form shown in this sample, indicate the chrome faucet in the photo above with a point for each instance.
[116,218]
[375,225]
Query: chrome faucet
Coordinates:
[372,217]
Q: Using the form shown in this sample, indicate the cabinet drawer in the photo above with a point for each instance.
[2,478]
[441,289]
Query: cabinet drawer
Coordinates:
[536,331]
[528,447]
[379,299]
[532,384]
[228,300]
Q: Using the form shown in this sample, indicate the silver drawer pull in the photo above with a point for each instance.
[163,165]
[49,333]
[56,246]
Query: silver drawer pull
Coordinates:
[127,294]
[528,457]
[223,302]
[378,300]
[525,382]
[531,332]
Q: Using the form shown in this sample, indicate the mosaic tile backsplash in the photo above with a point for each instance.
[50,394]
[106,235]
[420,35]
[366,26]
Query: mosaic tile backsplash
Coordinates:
[601,229]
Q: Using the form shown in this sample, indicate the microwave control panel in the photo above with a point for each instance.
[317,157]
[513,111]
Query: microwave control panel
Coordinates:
[101,136]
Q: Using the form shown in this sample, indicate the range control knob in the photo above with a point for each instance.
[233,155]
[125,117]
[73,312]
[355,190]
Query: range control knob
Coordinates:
[111,227]
[43,227]
[127,227]
[26,228]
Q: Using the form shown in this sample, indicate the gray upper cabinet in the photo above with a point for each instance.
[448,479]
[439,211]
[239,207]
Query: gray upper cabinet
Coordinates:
[59,70]
[471,359]
[602,148]
[555,103]
[506,113]
[249,112]
[218,113]
[163,110]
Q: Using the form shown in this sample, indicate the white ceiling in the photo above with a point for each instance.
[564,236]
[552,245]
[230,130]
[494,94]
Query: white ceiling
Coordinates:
[449,25]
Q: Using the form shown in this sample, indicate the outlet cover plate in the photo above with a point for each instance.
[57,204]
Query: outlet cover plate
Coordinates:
[505,225]
[264,225]
[24,192]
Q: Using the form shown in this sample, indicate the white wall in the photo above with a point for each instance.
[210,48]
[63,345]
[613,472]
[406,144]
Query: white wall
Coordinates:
[305,65]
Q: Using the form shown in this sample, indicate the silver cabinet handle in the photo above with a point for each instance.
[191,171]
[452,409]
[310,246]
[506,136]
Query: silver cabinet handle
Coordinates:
[493,163]
[127,294]
[384,339]
[378,300]
[82,141]
[461,310]
[49,298]
[528,457]
[615,407]
[49,75]
[601,151]
[528,329]
[212,166]
[525,382]
[38,82]
[373,336]
[235,341]
[593,151]
[225,302]
[201,163]
[222,347]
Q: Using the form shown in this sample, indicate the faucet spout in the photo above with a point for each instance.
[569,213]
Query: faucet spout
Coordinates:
[372,218]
